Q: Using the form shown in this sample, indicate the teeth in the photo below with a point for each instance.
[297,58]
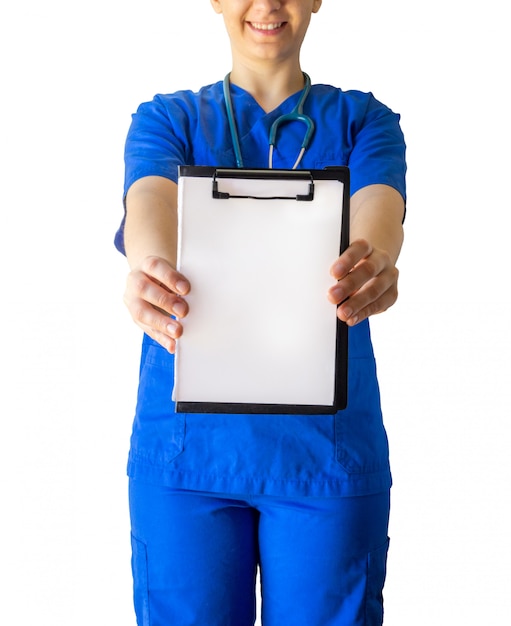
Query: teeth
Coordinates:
[266,26]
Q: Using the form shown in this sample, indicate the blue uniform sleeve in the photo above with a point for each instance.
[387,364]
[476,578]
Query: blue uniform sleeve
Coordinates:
[378,150]
[156,144]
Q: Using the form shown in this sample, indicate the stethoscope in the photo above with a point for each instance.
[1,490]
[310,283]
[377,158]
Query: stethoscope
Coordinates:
[296,115]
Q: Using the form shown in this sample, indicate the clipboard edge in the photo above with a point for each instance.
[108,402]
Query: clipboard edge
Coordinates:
[342,174]
[254,409]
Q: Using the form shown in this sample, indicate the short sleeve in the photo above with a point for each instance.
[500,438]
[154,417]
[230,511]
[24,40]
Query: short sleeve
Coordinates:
[156,144]
[378,152]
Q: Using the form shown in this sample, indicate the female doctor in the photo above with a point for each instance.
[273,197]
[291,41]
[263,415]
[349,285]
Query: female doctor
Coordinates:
[214,497]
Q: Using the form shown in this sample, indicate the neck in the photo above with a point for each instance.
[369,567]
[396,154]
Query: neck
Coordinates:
[268,87]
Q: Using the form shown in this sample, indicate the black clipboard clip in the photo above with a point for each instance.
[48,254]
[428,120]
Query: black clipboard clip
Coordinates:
[263,174]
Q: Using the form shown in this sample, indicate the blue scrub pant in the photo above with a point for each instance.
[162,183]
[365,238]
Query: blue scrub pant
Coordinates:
[195,557]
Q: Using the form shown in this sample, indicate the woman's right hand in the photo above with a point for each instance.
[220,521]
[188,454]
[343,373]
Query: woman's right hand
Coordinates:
[153,293]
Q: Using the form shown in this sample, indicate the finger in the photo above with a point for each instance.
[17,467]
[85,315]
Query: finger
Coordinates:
[151,319]
[358,250]
[141,286]
[366,269]
[379,306]
[375,297]
[162,272]
[164,340]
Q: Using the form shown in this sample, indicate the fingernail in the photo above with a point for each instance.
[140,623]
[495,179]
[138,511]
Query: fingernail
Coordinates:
[347,312]
[172,327]
[337,294]
[182,287]
[337,270]
[179,309]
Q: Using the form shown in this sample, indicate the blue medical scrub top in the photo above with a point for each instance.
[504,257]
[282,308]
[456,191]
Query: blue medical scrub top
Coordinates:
[283,455]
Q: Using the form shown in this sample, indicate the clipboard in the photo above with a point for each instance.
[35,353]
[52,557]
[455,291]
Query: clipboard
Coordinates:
[257,246]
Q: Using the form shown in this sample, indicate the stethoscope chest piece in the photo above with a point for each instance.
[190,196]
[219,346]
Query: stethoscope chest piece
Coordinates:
[296,115]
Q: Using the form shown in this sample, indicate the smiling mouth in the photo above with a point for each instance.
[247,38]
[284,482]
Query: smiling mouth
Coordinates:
[266,27]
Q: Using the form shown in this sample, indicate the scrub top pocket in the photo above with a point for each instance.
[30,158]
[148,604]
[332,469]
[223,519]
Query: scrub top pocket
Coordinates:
[361,444]
[158,432]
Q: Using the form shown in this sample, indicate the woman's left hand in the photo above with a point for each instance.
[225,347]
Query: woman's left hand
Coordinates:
[366,282]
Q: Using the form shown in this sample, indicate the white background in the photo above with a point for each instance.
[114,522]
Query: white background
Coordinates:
[72,74]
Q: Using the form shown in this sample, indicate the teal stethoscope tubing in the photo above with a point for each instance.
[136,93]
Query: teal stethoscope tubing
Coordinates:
[296,115]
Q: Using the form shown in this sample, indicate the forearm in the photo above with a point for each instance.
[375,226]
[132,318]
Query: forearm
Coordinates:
[376,216]
[154,289]
[151,221]
[366,272]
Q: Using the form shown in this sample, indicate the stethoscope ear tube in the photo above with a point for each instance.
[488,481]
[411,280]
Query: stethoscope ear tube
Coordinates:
[296,115]
[232,123]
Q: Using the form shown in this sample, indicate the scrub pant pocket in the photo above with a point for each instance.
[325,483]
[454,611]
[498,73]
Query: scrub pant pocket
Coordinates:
[323,561]
[140,581]
[376,572]
[194,558]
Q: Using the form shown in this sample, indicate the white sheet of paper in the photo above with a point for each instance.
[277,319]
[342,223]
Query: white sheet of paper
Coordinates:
[260,327]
